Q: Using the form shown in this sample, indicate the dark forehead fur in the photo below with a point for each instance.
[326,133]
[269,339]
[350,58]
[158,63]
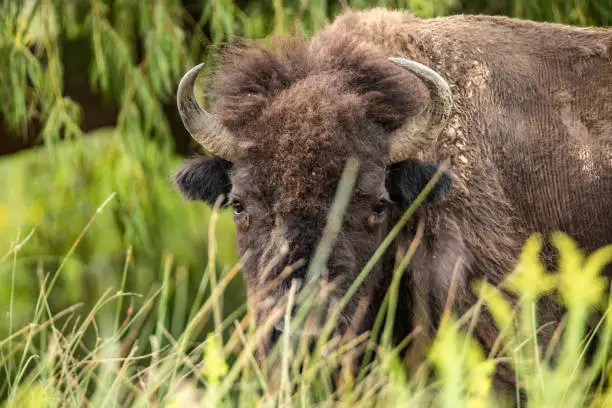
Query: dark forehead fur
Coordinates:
[251,77]
[302,109]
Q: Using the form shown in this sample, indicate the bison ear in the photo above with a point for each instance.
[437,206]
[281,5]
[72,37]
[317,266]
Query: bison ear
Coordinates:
[407,179]
[203,178]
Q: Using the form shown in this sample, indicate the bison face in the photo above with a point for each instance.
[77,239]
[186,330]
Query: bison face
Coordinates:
[280,218]
[286,122]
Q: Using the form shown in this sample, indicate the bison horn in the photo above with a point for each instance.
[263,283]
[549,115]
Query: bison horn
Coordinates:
[201,125]
[424,131]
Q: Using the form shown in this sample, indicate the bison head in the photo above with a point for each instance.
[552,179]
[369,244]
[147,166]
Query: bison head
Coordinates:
[284,125]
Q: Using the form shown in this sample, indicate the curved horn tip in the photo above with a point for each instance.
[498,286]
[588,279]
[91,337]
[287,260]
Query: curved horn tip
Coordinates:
[402,62]
[429,75]
[196,68]
[191,75]
[414,65]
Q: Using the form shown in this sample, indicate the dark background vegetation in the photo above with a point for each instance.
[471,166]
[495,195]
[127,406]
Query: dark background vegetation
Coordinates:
[88,109]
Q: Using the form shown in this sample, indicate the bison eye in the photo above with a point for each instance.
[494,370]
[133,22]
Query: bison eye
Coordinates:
[378,212]
[241,218]
[238,208]
[381,206]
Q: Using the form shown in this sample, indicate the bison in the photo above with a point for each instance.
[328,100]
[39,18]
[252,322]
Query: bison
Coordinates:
[521,111]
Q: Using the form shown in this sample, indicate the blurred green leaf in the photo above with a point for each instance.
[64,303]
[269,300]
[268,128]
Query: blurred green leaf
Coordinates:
[529,278]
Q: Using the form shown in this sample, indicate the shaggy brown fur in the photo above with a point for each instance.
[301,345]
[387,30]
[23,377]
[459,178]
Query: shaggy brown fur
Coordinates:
[529,141]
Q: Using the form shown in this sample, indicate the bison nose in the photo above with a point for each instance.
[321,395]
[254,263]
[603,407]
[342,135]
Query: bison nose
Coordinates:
[279,327]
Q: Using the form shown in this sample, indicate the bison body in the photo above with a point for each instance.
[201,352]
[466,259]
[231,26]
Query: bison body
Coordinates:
[528,136]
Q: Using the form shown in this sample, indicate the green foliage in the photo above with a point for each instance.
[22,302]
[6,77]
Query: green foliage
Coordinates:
[33,85]
[578,12]
[568,380]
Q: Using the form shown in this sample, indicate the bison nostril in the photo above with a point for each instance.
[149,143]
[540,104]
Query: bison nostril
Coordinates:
[276,335]
[280,326]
